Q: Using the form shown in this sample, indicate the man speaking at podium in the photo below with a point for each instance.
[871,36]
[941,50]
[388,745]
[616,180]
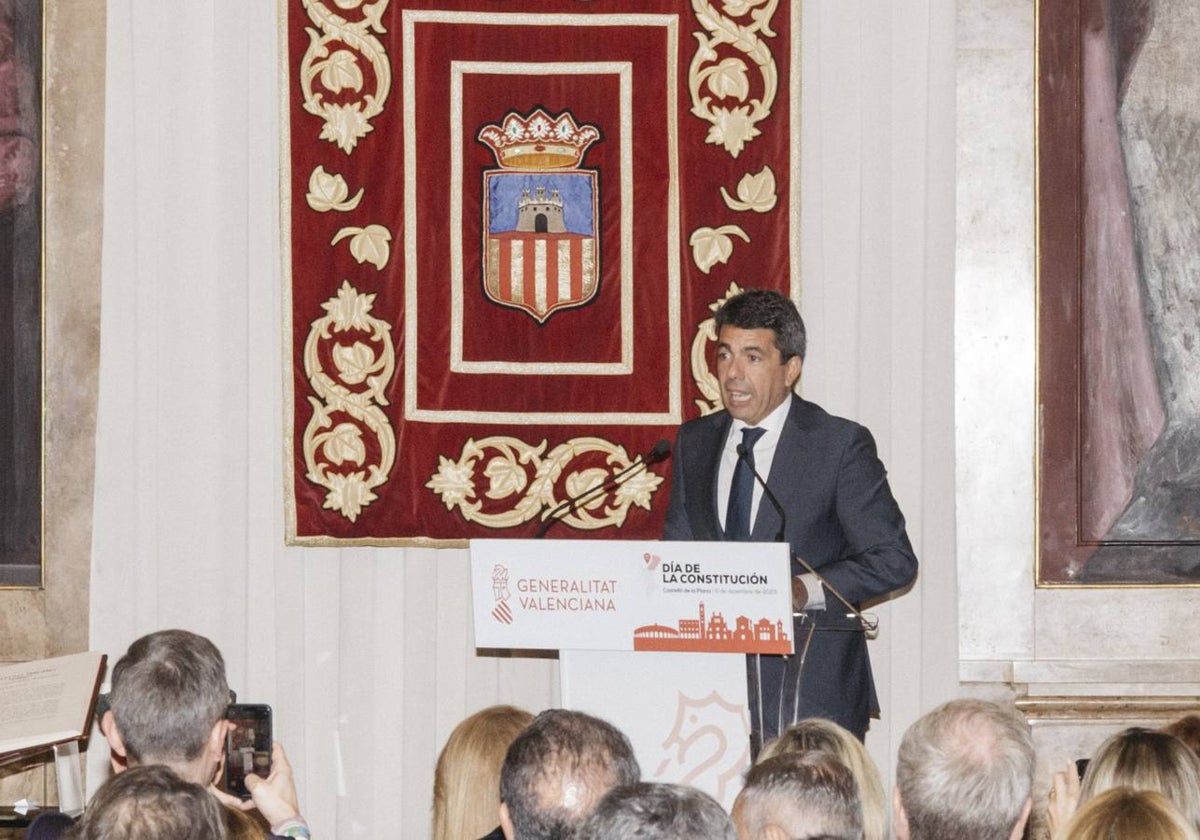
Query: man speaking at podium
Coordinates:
[827,495]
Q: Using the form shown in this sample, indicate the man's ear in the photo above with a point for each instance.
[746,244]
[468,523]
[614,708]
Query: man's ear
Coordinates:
[1019,828]
[116,744]
[794,367]
[506,826]
[216,739]
[899,817]
[774,831]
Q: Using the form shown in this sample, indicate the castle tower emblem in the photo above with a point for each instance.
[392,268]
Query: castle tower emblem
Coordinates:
[540,214]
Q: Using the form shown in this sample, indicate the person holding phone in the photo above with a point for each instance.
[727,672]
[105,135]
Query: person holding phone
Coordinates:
[168,706]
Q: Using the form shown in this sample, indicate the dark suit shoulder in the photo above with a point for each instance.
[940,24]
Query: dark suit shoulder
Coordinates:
[810,417]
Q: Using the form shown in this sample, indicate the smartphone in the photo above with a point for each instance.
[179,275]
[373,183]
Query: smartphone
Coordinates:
[247,746]
[1081,766]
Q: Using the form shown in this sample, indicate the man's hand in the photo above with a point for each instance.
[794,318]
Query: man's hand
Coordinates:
[1064,799]
[799,594]
[274,796]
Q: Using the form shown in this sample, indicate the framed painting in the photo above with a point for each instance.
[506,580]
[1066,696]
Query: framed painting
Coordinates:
[1118,264]
[21,321]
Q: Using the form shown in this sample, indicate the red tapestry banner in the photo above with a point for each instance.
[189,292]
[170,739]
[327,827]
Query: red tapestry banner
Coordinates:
[506,228]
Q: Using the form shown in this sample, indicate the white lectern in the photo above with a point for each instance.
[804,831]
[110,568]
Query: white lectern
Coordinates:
[651,636]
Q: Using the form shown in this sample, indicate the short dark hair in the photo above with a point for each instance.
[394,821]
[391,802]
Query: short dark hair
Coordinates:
[657,811]
[766,309]
[151,803]
[562,752]
[168,691]
[807,794]
[965,770]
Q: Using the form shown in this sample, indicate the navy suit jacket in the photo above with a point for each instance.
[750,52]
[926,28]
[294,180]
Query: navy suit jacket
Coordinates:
[841,518]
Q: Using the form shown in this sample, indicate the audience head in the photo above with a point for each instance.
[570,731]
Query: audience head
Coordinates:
[1129,815]
[466,782]
[1143,759]
[825,736]
[151,803]
[964,770]
[556,771]
[167,705]
[656,811]
[793,796]
[1186,729]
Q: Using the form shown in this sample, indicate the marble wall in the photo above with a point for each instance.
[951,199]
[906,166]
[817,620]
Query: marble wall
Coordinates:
[1081,662]
[37,623]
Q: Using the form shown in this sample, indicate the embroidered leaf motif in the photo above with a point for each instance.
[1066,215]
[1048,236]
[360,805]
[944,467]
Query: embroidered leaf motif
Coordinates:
[757,192]
[731,128]
[344,124]
[341,71]
[344,443]
[713,245]
[369,244]
[348,494]
[350,310]
[505,478]
[328,192]
[580,482]
[729,78]
[452,482]
[354,363]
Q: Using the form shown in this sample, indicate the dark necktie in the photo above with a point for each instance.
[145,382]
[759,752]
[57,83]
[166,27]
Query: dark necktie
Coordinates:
[741,491]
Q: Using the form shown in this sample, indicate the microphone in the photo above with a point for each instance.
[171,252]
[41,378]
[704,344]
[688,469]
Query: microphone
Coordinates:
[660,452]
[870,626]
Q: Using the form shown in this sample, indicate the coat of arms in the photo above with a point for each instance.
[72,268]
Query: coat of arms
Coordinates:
[540,219]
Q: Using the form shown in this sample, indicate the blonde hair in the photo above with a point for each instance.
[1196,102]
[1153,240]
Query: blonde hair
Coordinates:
[1129,815]
[244,825]
[1143,759]
[1186,729]
[825,736]
[466,783]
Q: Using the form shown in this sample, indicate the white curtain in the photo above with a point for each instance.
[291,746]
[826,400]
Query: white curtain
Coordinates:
[366,654]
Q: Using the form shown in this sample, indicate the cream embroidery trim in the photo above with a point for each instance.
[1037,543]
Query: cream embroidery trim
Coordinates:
[333,57]
[369,362]
[507,463]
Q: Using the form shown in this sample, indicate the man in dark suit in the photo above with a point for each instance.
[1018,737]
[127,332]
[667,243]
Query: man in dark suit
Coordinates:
[840,515]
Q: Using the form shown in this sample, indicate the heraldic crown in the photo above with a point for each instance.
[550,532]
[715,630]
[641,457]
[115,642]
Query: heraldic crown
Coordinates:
[538,141]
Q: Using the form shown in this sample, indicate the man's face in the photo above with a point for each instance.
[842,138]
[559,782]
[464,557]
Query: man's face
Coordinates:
[754,378]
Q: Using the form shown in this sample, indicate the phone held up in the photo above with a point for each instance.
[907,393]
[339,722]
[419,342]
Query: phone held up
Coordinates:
[247,746]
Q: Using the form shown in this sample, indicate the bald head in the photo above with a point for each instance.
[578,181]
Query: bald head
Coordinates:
[964,770]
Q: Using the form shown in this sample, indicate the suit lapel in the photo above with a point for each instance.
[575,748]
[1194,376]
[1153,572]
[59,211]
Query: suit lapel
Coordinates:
[713,466]
[786,478]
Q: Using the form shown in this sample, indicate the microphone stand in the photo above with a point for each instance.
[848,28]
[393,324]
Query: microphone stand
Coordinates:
[660,452]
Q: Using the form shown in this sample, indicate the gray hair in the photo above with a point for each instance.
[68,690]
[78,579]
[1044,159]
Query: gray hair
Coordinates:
[807,795]
[556,771]
[766,309]
[657,811]
[965,770]
[151,803]
[168,691]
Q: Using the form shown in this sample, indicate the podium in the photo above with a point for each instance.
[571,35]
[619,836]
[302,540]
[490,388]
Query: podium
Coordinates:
[651,636]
